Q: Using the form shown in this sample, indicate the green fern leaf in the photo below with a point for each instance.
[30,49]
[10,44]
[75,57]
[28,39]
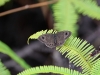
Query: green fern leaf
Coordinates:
[36,35]
[65,16]
[79,53]
[96,68]
[7,50]
[2,2]
[49,69]
[3,70]
[87,7]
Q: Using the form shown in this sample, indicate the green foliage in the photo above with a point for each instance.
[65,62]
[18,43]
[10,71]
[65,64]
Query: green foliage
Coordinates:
[7,50]
[36,35]
[96,68]
[87,7]
[65,15]
[2,2]
[3,70]
[48,69]
[78,51]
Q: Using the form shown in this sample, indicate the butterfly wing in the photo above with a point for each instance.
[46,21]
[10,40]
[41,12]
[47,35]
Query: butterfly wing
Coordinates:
[62,36]
[47,39]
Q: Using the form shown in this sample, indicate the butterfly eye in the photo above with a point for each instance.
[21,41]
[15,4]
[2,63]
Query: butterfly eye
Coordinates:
[42,37]
[66,33]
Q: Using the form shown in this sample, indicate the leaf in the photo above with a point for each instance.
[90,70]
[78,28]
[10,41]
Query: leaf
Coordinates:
[3,70]
[65,16]
[78,51]
[87,7]
[96,68]
[36,35]
[2,2]
[7,50]
[49,69]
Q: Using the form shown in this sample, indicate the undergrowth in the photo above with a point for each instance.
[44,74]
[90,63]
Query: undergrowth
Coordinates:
[66,13]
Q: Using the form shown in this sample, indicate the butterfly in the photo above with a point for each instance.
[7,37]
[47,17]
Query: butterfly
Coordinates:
[53,40]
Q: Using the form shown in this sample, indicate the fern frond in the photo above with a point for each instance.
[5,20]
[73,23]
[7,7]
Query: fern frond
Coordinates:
[96,68]
[36,35]
[87,7]
[3,70]
[65,16]
[49,69]
[7,50]
[79,53]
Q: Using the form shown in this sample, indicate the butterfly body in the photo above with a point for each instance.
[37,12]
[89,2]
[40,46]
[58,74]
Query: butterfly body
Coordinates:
[54,40]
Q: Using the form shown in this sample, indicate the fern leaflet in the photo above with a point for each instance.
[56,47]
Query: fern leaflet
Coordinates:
[3,70]
[96,68]
[87,7]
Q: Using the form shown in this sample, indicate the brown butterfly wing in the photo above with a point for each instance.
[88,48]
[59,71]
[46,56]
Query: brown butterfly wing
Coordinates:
[47,39]
[62,36]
